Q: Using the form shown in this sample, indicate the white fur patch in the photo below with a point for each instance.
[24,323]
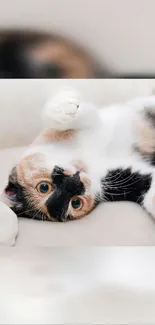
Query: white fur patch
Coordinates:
[61,110]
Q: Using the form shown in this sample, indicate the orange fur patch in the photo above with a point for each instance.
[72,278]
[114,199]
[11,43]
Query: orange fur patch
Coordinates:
[88,205]
[29,169]
[52,135]
[146,136]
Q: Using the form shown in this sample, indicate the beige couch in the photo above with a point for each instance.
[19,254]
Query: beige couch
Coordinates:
[109,224]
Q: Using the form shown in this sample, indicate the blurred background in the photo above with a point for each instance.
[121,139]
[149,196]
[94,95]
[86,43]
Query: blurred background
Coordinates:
[72,39]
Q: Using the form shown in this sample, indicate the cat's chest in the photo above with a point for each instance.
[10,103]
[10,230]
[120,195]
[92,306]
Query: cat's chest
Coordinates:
[116,140]
[120,135]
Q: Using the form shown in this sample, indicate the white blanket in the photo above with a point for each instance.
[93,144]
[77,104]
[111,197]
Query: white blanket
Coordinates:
[77,286]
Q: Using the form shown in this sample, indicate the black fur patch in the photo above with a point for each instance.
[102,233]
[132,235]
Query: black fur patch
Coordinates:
[25,209]
[65,187]
[150,115]
[14,187]
[124,185]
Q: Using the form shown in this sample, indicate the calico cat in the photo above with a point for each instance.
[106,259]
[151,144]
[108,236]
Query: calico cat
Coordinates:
[84,157]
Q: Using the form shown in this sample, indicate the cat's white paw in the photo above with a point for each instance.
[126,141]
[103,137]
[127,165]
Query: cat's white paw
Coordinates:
[8,225]
[66,110]
[62,109]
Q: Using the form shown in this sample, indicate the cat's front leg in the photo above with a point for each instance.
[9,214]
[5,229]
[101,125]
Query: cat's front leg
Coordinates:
[67,111]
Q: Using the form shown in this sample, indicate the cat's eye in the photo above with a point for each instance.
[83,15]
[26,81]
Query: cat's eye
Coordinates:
[44,188]
[76,203]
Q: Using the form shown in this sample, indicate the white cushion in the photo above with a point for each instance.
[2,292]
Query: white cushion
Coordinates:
[109,224]
[77,286]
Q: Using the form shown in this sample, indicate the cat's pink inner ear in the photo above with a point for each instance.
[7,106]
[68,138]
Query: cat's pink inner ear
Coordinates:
[10,193]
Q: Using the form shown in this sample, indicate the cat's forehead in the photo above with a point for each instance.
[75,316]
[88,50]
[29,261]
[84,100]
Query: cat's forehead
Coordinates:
[47,155]
[36,165]
[33,161]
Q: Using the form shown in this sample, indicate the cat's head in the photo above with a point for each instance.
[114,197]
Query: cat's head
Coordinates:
[35,190]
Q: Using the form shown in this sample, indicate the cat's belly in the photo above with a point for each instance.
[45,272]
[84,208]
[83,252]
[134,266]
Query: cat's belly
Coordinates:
[124,133]
[130,130]
[121,123]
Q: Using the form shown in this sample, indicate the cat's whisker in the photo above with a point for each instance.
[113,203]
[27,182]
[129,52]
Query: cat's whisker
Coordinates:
[98,198]
[62,213]
[105,198]
[27,211]
[122,186]
[117,194]
[124,181]
[115,176]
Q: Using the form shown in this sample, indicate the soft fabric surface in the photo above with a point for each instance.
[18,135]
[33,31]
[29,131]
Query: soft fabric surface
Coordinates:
[77,286]
[109,224]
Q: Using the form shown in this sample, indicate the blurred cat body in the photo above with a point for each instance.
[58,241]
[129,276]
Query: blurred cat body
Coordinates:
[31,54]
